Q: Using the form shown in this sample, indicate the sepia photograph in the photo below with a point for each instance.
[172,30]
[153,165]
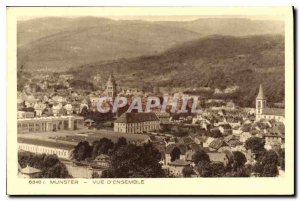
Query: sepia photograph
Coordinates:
[142,96]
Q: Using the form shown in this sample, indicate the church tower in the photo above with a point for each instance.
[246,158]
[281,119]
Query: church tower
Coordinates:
[111,87]
[260,101]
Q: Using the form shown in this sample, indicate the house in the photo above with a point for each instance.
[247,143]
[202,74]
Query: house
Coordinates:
[38,108]
[225,129]
[102,161]
[273,140]
[57,109]
[232,141]
[69,108]
[178,151]
[137,123]
[186,140]
[164,117]
[24,114]
[30,101]
[199,139]
[216,144]
[193,148]
[217,157]
[208,141]
[177,166]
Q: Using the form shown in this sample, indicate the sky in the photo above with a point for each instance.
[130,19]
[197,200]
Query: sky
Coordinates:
[169,17]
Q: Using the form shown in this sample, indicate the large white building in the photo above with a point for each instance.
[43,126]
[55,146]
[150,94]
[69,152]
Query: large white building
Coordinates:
[62,150]
[262,112]
[46,124]
[137,123]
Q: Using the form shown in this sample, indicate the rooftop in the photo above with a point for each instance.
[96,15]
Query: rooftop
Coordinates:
[46,143]
[217,157]
[30,170]
[50,118]
[261,94]
[180,163]
[137,117]
[274,111]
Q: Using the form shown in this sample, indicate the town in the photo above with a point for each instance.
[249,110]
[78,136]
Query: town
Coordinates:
[62,134]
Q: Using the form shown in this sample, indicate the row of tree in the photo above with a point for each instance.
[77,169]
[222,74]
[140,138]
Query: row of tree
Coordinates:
[50,165]
[126,160]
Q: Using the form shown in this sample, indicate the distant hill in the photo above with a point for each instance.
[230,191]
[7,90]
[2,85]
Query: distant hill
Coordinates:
[57,44]
[230,26]
[60,43]
[213,61]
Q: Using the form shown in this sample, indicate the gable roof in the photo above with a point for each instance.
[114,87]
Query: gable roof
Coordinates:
[216,144]
[183,148]
[217,157]
[46,143]
[30,170]
[137,117]
[179,162]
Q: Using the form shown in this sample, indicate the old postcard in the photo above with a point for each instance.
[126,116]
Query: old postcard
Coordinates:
[150,101]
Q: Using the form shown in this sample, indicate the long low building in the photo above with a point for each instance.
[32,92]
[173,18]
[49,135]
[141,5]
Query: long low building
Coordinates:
[45,124]
[62,150]
[137,123]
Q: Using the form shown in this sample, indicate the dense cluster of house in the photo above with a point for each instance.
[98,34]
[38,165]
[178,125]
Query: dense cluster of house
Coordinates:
[220,130]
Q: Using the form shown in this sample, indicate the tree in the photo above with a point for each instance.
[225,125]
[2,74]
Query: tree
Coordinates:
[241,172]
[103,146]
[270,170]
[175,154]
[121,142]
[203,168]
[217,169]
[255,144]
[267,163]
[270,157]
[187,171]
[239,160]
[84,111]
[132,161]
[82,151]
[50,165]
[200,156]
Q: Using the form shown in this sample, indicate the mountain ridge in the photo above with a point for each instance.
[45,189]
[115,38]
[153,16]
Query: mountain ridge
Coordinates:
[58,44]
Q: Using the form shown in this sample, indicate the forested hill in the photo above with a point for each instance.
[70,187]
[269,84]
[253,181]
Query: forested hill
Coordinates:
[213,61]
[59,43]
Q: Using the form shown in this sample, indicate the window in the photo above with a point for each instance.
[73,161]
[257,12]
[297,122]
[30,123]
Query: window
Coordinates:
[31,127]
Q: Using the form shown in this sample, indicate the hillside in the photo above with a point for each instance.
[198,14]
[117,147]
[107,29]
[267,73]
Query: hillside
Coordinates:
[214,61]
[57,44]
[230,26]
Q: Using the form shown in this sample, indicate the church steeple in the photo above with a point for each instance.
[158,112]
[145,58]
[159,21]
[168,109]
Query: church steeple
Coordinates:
[260,101]
[111,87]
[261,95]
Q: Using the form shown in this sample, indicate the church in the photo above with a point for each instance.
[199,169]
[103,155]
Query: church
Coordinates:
[263,112]
[111,87]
